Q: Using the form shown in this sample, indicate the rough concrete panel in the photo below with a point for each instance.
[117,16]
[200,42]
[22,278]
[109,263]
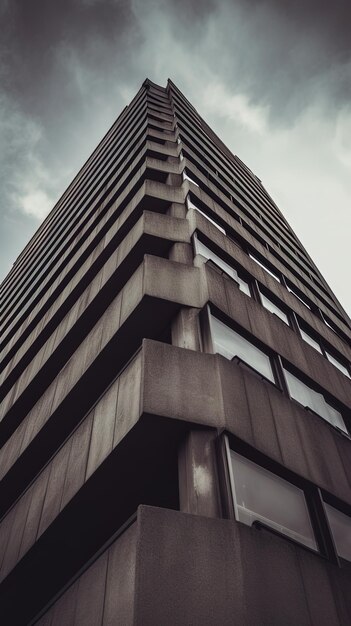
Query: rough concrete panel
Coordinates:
[6,526]
[63,611]
[77,461]
[216,288]
[181,253]
[238,304]
[340,583]
[166,226]
[132,293]
[195,570]
[120,581]
[343,445]
[111,319]
[293,449]
[103,427]
[128,404]
[168,367]
[274,590]
[11,450]
[263,426]
[197,469]
[32,521]
[91,592]
[186,329]
[46,620]
[37,417]
[176,282]
[14,533]
[235,404]
[326,470]
[186,572]
[319,594]
[54,490]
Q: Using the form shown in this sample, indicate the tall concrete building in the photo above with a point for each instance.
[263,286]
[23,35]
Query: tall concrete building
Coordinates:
[176,394]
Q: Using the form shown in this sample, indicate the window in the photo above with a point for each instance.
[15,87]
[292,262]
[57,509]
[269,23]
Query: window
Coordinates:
[313,400]
[264,267]
[200,248]
[230,344]
[337,364]
[187,177]
[191,205]
[273,308]
[298,296]
[307,337]
[340,526]
[318,346]
[261,496]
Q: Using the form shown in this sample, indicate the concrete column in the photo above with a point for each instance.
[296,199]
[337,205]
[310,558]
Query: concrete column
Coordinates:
[198,479]
[186,329]
[174,179]
[182,253]
[176,209]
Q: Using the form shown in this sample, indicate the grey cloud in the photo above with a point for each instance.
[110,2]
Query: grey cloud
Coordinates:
[69,67]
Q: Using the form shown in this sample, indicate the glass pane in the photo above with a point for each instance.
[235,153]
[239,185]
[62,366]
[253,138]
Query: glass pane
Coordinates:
[273,308]
[262,496]
[314,400]
[328,323]
[191,205]
[230,344]
[298,297]
[340,525]
[187,177]
[337,364]
[200,248]
[264,267]
[306,337]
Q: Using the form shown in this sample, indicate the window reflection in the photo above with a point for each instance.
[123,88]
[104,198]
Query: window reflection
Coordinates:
[312,342]
[273,308]
[200,248]
[314,400]
[340,526]
[260,495]
[230,344]
[264,267]
[192,205]
[337,364]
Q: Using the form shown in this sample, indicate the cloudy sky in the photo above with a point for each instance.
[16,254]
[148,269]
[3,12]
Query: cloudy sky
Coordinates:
[272,78]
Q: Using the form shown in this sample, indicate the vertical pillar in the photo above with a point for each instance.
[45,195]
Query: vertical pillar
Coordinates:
[198,479]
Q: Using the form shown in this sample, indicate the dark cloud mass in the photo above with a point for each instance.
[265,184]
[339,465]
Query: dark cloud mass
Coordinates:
[273,78]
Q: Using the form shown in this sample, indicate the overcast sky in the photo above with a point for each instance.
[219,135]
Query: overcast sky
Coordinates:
[272,78]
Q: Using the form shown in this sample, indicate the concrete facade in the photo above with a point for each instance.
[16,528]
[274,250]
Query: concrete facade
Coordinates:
[120,404]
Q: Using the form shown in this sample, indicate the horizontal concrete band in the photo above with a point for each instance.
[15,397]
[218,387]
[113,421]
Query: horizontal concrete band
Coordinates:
[207,390]
[219,570]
